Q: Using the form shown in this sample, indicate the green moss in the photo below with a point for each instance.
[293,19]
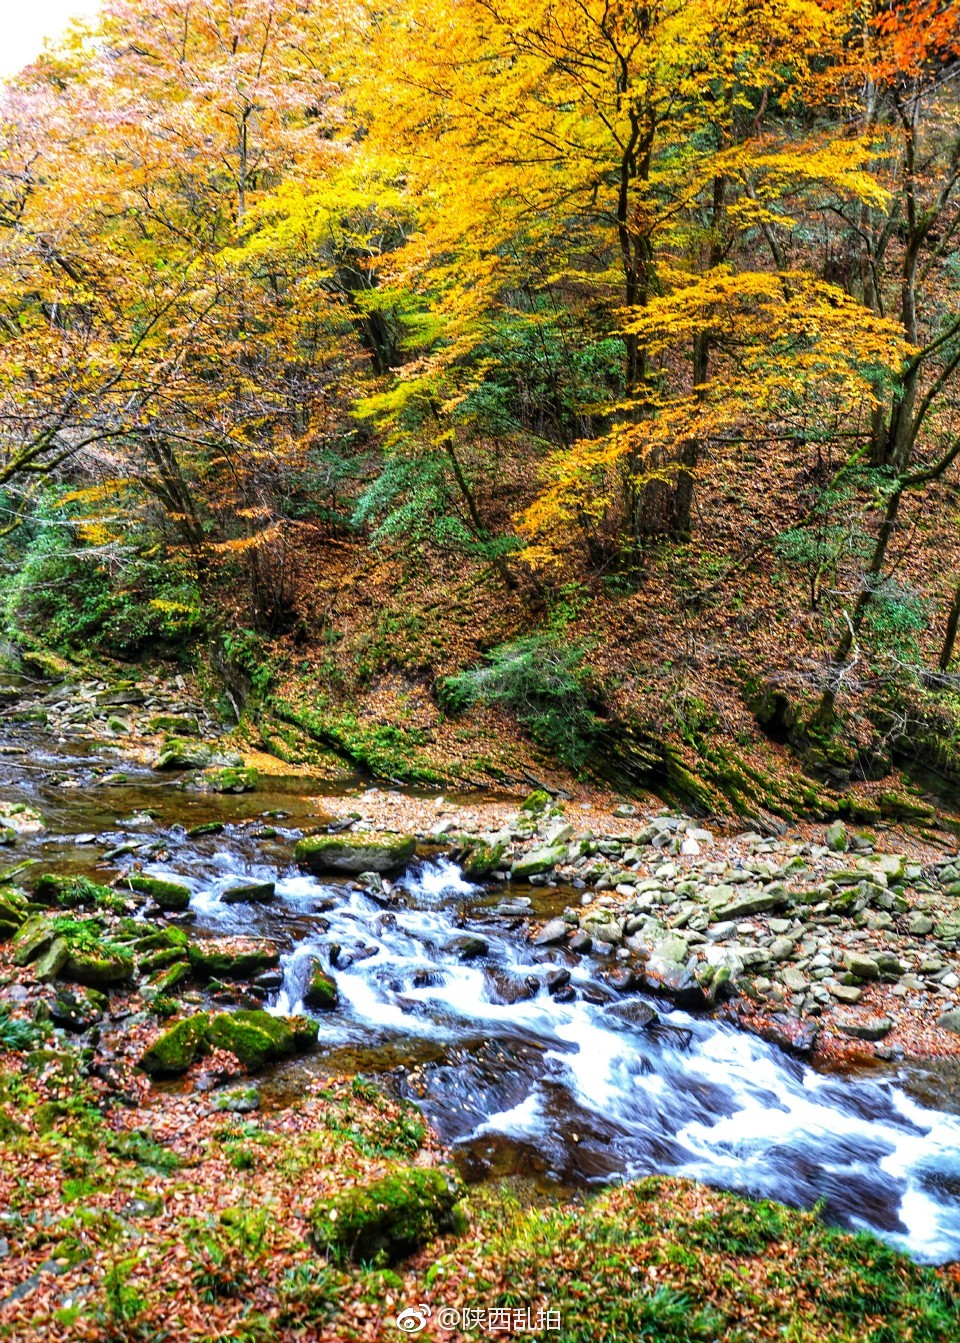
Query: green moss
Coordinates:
[388,1218]
[321,991]
[233,779]
[71,892]
[367,852]
[177,1047]
[256,1038]
[169,895]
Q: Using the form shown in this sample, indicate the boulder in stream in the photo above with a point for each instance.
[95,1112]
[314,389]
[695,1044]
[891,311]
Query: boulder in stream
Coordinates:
[250,893]
[169,895]
[353,854]
[321,991]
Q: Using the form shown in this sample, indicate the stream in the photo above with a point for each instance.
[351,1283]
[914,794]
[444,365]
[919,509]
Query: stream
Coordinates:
[441,993]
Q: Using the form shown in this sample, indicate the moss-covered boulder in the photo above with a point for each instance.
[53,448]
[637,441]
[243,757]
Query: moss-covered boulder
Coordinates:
[33,938]
[256,1038]
[21,818]
[179,1046]
[478,859]
[169,895]
[351,855]
[99,967]
[13,911]
[51,962]
[232,958]
[321,991]
[179,754]
[174,725]
[388,1218]
[251,893]
[538,862]
[160,940]
[49,666]
[168,980]
[231,779]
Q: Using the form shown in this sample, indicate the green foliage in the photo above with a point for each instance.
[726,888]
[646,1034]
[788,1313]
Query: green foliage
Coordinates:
[17,1033]
[545,683]
[896,617]
[118,597]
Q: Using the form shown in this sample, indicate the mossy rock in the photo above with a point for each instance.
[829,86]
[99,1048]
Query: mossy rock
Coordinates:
[163,938]
[169,895]
[207,828]
[391,1217]
[536,802]
[179,754]
[13,911]
[8,836]
[238,958]
[538,862]
[355,854]
[305,1031]
[33,938]
[52,961]
[232,779]
[102,967]
[168,980]
[256,1038]
[179,1046]
[321,991]
[48,666]
[478,859]
[252,893]
[174,725]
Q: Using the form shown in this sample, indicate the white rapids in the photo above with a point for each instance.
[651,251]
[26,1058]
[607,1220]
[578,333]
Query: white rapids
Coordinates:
[702,1100]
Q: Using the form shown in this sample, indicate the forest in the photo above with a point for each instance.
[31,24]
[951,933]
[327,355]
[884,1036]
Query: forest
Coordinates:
[595,365]
[480,673]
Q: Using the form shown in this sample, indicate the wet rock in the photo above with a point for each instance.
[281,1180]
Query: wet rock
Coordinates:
[237,958]
[557,978]
[467,947]
[230,779]
[388,1218]
[251,893]
[321,991]
[74,1012]
[269,980]
[207,828]
[863,1028]
[633,1012]
[179,1046]
[169,895]
[552,933]
[538,862]
[791,1032]
[354,854]
[622,978]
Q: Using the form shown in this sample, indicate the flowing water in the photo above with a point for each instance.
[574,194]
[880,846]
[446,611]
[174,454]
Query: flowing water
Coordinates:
[572,1092]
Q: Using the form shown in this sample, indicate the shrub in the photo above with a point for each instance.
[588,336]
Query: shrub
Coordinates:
[544,683]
